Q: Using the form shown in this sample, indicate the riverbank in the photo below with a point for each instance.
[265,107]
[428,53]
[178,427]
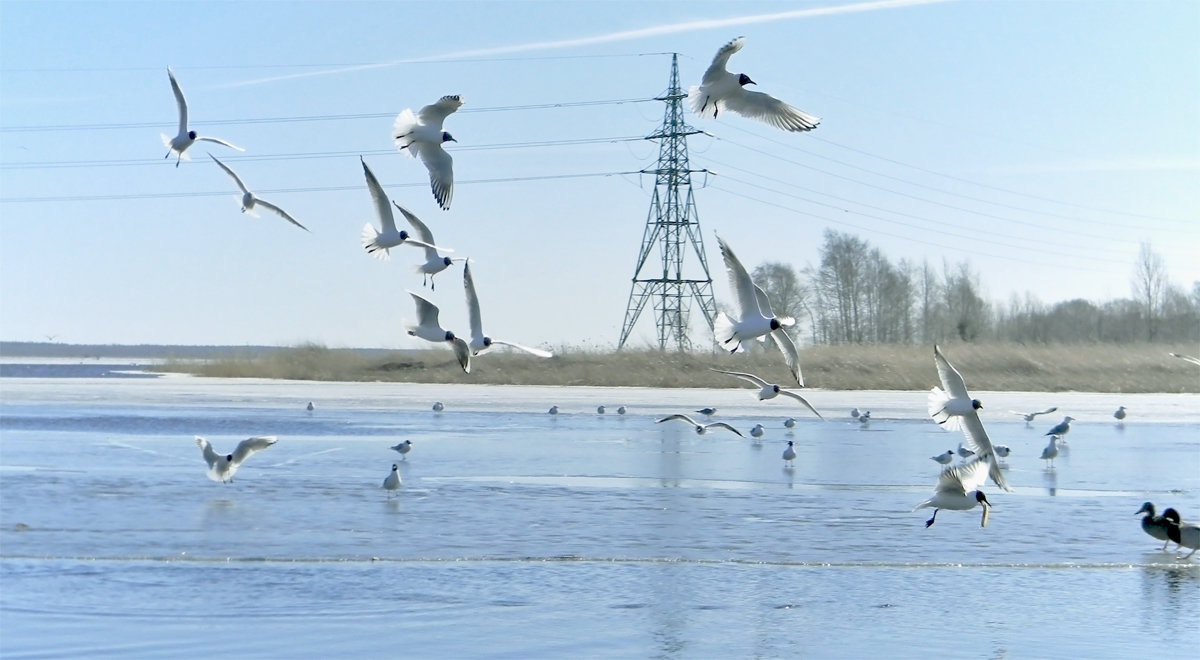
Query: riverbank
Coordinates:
[995,367]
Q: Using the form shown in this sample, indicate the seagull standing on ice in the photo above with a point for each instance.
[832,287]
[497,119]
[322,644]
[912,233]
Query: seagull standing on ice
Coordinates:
[757,431]
[958,490]
[1119,415]
[403,448]
[700,428]
[1051,451]
[1062,428]
[944,458]
[377,242]
[429,329]
[421,136]
[179,144]
[954,409]
[391,483]
[481,343]
[249,200]
[222,468]
[720,89]
[707,412]
[769,390]
[755,319]
[789,454]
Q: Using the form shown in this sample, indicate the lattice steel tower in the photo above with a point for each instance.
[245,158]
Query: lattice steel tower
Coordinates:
[672,227]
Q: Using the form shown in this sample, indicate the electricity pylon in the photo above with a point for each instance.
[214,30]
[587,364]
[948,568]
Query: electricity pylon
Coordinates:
[672,226]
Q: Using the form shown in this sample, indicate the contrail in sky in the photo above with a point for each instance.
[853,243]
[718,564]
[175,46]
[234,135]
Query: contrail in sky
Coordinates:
[625,35]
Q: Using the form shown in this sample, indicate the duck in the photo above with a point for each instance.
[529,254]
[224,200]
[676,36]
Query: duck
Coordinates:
[1185,534]
[1154,525]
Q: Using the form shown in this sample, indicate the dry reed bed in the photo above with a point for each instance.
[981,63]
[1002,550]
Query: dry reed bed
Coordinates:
[1003,367]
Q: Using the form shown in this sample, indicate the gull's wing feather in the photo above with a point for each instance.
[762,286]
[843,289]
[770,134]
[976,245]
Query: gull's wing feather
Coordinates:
[210,456]
[249,446]
[786,346]
[801,400]
[231,173]
[952,381]
[978,442]
[284,214]
[427,312]
[180,102]
[685,418]
[721,59]
[473,306]
[463,352]
[219,141]
[424,236]
[740,283]
[749,378]
[441,173]
[767,108]
[435,113]
[964,478]
[723,425]
[533,351]
[382,209]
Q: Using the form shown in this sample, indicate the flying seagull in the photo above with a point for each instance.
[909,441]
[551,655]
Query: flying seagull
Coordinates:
[250,201]
[700,428]
[1185,358]
[179,144]
[720,89]
[769,390]
[422,136]
[481,343]
[434,262]
[958,489]
[1029,416]
[377,242]
[954,409]
[754,316]
[429,329]
[222,468]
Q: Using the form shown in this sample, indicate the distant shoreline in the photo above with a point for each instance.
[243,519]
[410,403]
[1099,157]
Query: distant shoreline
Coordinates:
[1138,368]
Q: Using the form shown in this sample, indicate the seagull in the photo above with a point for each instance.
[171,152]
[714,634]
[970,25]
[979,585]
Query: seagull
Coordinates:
[222,468]
[309,407]
[945,458]
[1184,534]
[755,318]
[1154,525]
[179,144]
[377,242]
[964,452]
[707,412]
[249,201]
[481,343]
[434,262]
[621,410]
[789,454]
[720,89]
[700,428]
[768,390]
[392,481]
[1185,358]
[553,410]
[864,417]
[1002,452]
[1120,413]
[429,329]
[855,413]
[1051,451]
[1062,428]
[1029,416]
[438,406]
[403,448]
[757,431]
[422,136]
[958,489]
[599,410]
[790,422]
[954,409]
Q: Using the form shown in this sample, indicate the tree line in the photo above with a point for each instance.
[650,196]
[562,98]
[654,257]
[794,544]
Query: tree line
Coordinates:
[856,295]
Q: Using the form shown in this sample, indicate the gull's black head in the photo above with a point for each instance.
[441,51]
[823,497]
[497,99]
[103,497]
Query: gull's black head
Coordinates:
[191,135]
[395,467]
[446,260]
[229,458]
[487,341]
[446,137]
[775,388]
[744,80]
[981,498]
[403,235]
[449,336]
[976,405]
[775,324]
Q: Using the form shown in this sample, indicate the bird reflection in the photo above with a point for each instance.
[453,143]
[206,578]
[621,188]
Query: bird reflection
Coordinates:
[1050,481]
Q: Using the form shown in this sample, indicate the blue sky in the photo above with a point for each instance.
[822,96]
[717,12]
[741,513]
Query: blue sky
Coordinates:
[1041,141]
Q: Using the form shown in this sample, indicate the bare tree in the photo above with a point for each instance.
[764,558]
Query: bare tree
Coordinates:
[1150,287]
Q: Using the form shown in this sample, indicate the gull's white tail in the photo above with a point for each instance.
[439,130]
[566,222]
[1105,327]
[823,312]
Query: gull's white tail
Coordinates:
[723,331]
[937,410]
[369,236]
[699,107]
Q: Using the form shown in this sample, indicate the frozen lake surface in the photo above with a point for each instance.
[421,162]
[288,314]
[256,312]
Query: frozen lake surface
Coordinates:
[519,534]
